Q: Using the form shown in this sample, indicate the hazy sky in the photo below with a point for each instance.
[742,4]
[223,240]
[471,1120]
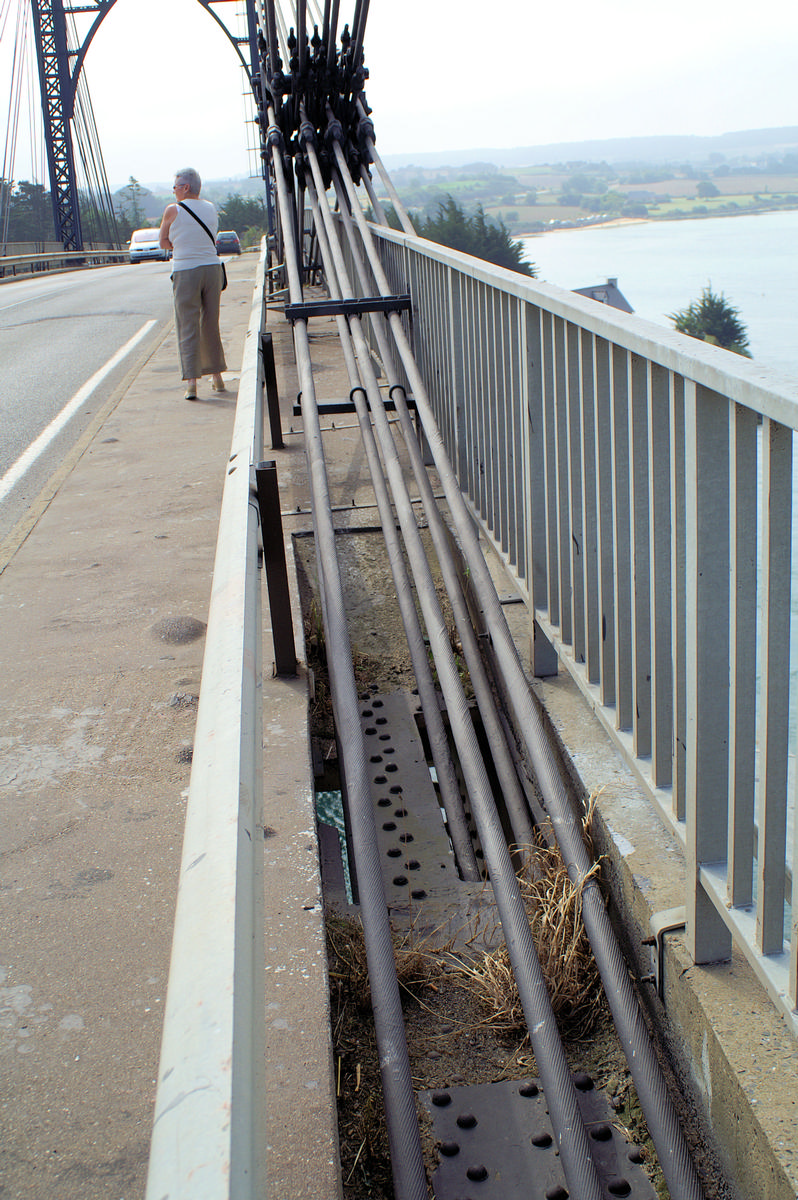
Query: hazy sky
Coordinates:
[168,92]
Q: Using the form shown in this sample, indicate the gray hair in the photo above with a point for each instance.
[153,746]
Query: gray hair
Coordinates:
[190,177]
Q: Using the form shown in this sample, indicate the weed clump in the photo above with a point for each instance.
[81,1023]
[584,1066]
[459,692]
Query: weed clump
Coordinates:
[554,907]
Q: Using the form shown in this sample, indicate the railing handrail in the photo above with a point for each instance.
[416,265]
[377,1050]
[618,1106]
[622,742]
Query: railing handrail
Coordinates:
[742,379]
[208,1135]
[10,262]
[631,478]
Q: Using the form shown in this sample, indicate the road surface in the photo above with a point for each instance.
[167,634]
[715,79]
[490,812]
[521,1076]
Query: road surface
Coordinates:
[67,342]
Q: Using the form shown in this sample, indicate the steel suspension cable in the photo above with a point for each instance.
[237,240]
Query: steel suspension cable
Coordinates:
[16,84]
[368,136]
[515,801]
[572,1141]
[672,1149]
[401,1118]
[436,731]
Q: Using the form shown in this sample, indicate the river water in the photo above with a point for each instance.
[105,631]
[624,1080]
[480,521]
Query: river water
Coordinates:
[661,266]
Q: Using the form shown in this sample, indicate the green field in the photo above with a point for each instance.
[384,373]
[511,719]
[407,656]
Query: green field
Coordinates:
[531,199]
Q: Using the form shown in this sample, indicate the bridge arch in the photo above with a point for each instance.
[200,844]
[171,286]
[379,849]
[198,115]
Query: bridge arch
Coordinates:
[105,6]
[60,66]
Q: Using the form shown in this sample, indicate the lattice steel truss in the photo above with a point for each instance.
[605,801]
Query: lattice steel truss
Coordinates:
[59,68]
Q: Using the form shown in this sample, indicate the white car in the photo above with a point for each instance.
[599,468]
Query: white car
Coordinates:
[144,247]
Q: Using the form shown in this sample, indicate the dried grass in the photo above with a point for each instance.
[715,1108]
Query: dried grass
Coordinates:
[554,907]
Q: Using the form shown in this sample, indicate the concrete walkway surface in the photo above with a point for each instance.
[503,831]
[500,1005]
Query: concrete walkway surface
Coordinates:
[103,600]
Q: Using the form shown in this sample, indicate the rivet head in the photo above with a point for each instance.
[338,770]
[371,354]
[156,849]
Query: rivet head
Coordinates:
[477,1173]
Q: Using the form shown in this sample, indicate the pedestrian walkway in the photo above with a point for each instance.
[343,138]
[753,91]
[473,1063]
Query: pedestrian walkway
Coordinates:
[103,601]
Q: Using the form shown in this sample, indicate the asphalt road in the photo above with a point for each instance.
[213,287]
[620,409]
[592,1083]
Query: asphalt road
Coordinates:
[67,344]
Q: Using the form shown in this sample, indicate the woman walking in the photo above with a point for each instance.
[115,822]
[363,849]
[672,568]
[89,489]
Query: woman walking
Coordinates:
[188,229]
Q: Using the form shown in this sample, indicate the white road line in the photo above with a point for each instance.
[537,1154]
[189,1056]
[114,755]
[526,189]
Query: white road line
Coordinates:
[36,448]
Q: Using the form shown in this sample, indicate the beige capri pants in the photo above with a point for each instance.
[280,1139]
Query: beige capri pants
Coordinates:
[196,295]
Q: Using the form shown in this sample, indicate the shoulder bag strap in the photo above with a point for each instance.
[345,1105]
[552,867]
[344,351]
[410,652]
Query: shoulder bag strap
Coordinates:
[199,220]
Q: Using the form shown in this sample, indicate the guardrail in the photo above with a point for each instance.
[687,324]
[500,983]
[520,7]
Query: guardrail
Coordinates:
[208,1134]
[57,260]
[638,485]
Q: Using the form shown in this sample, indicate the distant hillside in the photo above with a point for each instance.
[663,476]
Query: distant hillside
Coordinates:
[746,144]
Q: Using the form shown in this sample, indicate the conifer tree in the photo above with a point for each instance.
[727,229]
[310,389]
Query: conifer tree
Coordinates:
[712,319]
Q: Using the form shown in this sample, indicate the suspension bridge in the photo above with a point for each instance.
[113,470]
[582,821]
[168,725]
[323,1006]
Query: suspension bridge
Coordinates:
[606,473]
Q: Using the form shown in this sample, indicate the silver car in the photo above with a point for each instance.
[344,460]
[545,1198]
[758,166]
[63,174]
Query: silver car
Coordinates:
[144,247]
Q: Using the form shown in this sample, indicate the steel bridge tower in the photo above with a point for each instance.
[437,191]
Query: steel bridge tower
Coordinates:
[60,65]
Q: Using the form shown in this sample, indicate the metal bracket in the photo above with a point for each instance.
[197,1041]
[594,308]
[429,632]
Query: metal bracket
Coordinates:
[667,921]
[345,406]
[350,307]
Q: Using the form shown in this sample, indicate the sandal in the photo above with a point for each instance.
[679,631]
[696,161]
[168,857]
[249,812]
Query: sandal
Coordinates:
[191,393]
[218,384]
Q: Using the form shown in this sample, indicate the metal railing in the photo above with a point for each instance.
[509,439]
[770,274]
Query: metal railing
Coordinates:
[638,486]
[58,260]
[208,1134]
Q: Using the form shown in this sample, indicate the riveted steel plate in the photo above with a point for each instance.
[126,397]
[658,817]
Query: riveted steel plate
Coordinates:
[495,1142]
[416,853]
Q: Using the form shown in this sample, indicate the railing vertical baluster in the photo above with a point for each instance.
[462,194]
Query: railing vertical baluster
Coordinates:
[560,527]
[518,447]
[481,446]
[590,573]
[641,565]
[621,630]
[494,418]
[458,352]
[742,724]
[550,468]
[659,506]
[774,706]
[707,571]
[605,521]
[576,538]
[678,599]
[544,658]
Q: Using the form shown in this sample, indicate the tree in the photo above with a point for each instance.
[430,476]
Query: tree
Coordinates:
[241,212]
[131,213]
[707,189]
[712,319]
[476,235]
[30,213]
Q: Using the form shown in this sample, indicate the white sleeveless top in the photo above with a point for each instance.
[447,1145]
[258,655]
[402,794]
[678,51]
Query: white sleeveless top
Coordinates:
[192,246]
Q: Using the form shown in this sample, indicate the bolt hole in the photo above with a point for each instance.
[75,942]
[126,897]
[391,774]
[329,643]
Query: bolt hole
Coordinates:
[619,1187]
